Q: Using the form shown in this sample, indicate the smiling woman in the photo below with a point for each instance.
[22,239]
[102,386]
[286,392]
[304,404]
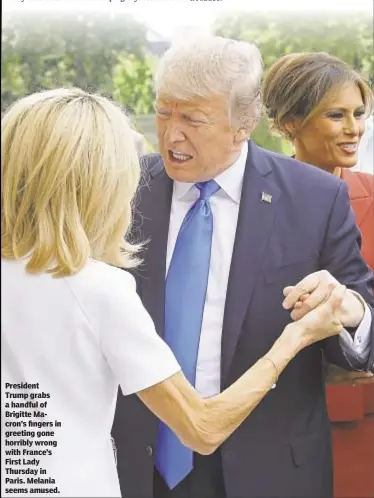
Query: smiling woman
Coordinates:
[320,104]
[332,134]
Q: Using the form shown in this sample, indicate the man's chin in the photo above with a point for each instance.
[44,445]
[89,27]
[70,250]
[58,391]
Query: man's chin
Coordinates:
[179,173]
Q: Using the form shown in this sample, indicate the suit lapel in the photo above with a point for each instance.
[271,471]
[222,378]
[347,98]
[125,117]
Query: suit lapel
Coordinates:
[155,209]
[255,222]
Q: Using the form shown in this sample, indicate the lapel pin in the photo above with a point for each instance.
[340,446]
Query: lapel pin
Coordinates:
[265,197]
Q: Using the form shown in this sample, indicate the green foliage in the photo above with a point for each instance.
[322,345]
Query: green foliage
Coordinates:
[349,37]
[265,139]
[133,84]
[65,49]
[109,54]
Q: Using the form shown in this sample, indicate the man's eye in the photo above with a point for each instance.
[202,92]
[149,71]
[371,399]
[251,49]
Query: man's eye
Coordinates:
[359,114]
[162,113]
[194,120]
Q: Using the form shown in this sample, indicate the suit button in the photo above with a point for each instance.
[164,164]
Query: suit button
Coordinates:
[149,450]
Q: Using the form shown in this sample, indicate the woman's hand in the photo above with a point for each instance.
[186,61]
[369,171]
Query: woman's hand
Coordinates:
[313,290]
[203,424]
[323,321]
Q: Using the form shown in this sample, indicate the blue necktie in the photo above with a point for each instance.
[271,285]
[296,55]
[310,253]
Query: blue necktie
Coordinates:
[185,292]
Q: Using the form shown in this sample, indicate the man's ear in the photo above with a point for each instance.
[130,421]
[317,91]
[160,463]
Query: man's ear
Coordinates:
[240,136]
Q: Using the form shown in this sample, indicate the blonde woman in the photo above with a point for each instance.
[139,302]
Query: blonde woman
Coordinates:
[73,327]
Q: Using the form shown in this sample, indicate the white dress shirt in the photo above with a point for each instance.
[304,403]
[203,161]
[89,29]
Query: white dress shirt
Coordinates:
[225,208]
[75,339]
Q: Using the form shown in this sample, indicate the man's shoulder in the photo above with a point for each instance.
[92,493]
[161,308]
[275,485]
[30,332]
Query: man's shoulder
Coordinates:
[293,166]
[152,164]
[291,172]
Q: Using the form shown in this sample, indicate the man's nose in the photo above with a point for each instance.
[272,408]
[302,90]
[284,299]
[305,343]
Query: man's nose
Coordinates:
[175,133]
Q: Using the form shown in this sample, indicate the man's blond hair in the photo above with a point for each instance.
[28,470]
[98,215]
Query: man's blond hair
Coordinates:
[69,172]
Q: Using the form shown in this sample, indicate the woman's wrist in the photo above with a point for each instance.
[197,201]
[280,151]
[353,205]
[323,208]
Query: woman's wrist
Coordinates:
[287,346]
[294,338]
[275,367]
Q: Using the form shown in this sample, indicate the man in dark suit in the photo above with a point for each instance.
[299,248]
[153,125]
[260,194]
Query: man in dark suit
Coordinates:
[270,222]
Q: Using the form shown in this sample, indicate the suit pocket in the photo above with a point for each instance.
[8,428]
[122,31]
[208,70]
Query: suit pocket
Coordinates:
[291,273]
[308,448]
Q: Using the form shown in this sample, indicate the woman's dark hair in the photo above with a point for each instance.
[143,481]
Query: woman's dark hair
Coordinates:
[297,84]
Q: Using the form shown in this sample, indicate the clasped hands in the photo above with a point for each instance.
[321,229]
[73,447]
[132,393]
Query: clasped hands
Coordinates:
[314,290]
[319,300]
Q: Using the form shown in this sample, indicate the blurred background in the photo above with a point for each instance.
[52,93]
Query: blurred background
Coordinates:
[113,47]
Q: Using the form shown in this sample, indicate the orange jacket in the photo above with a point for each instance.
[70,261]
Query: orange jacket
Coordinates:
[361,193]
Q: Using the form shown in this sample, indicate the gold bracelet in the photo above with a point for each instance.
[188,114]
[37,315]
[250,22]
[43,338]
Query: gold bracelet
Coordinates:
[275,368]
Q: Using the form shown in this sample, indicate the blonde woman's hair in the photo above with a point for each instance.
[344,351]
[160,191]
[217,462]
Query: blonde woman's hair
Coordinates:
[298,84]
[69,172]
[213,65]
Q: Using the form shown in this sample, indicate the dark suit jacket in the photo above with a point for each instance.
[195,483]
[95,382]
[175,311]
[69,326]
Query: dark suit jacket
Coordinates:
[283,448]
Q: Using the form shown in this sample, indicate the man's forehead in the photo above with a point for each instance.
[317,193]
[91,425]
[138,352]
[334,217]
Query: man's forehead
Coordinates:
[194,103]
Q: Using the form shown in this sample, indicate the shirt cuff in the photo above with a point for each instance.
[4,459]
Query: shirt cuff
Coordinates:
[358,346]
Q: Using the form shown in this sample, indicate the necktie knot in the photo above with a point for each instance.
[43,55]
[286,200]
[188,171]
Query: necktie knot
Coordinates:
[207,189]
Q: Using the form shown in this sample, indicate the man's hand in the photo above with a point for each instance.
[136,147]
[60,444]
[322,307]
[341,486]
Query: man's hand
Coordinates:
[315,289]
[321,322]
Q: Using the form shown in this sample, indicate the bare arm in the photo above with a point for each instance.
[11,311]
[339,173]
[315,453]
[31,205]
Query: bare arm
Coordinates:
[203,424]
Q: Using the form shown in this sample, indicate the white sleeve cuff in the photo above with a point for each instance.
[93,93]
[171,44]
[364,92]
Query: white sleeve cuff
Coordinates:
[358,347]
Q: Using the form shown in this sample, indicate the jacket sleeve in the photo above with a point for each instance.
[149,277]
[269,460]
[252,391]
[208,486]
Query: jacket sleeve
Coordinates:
[341,256]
